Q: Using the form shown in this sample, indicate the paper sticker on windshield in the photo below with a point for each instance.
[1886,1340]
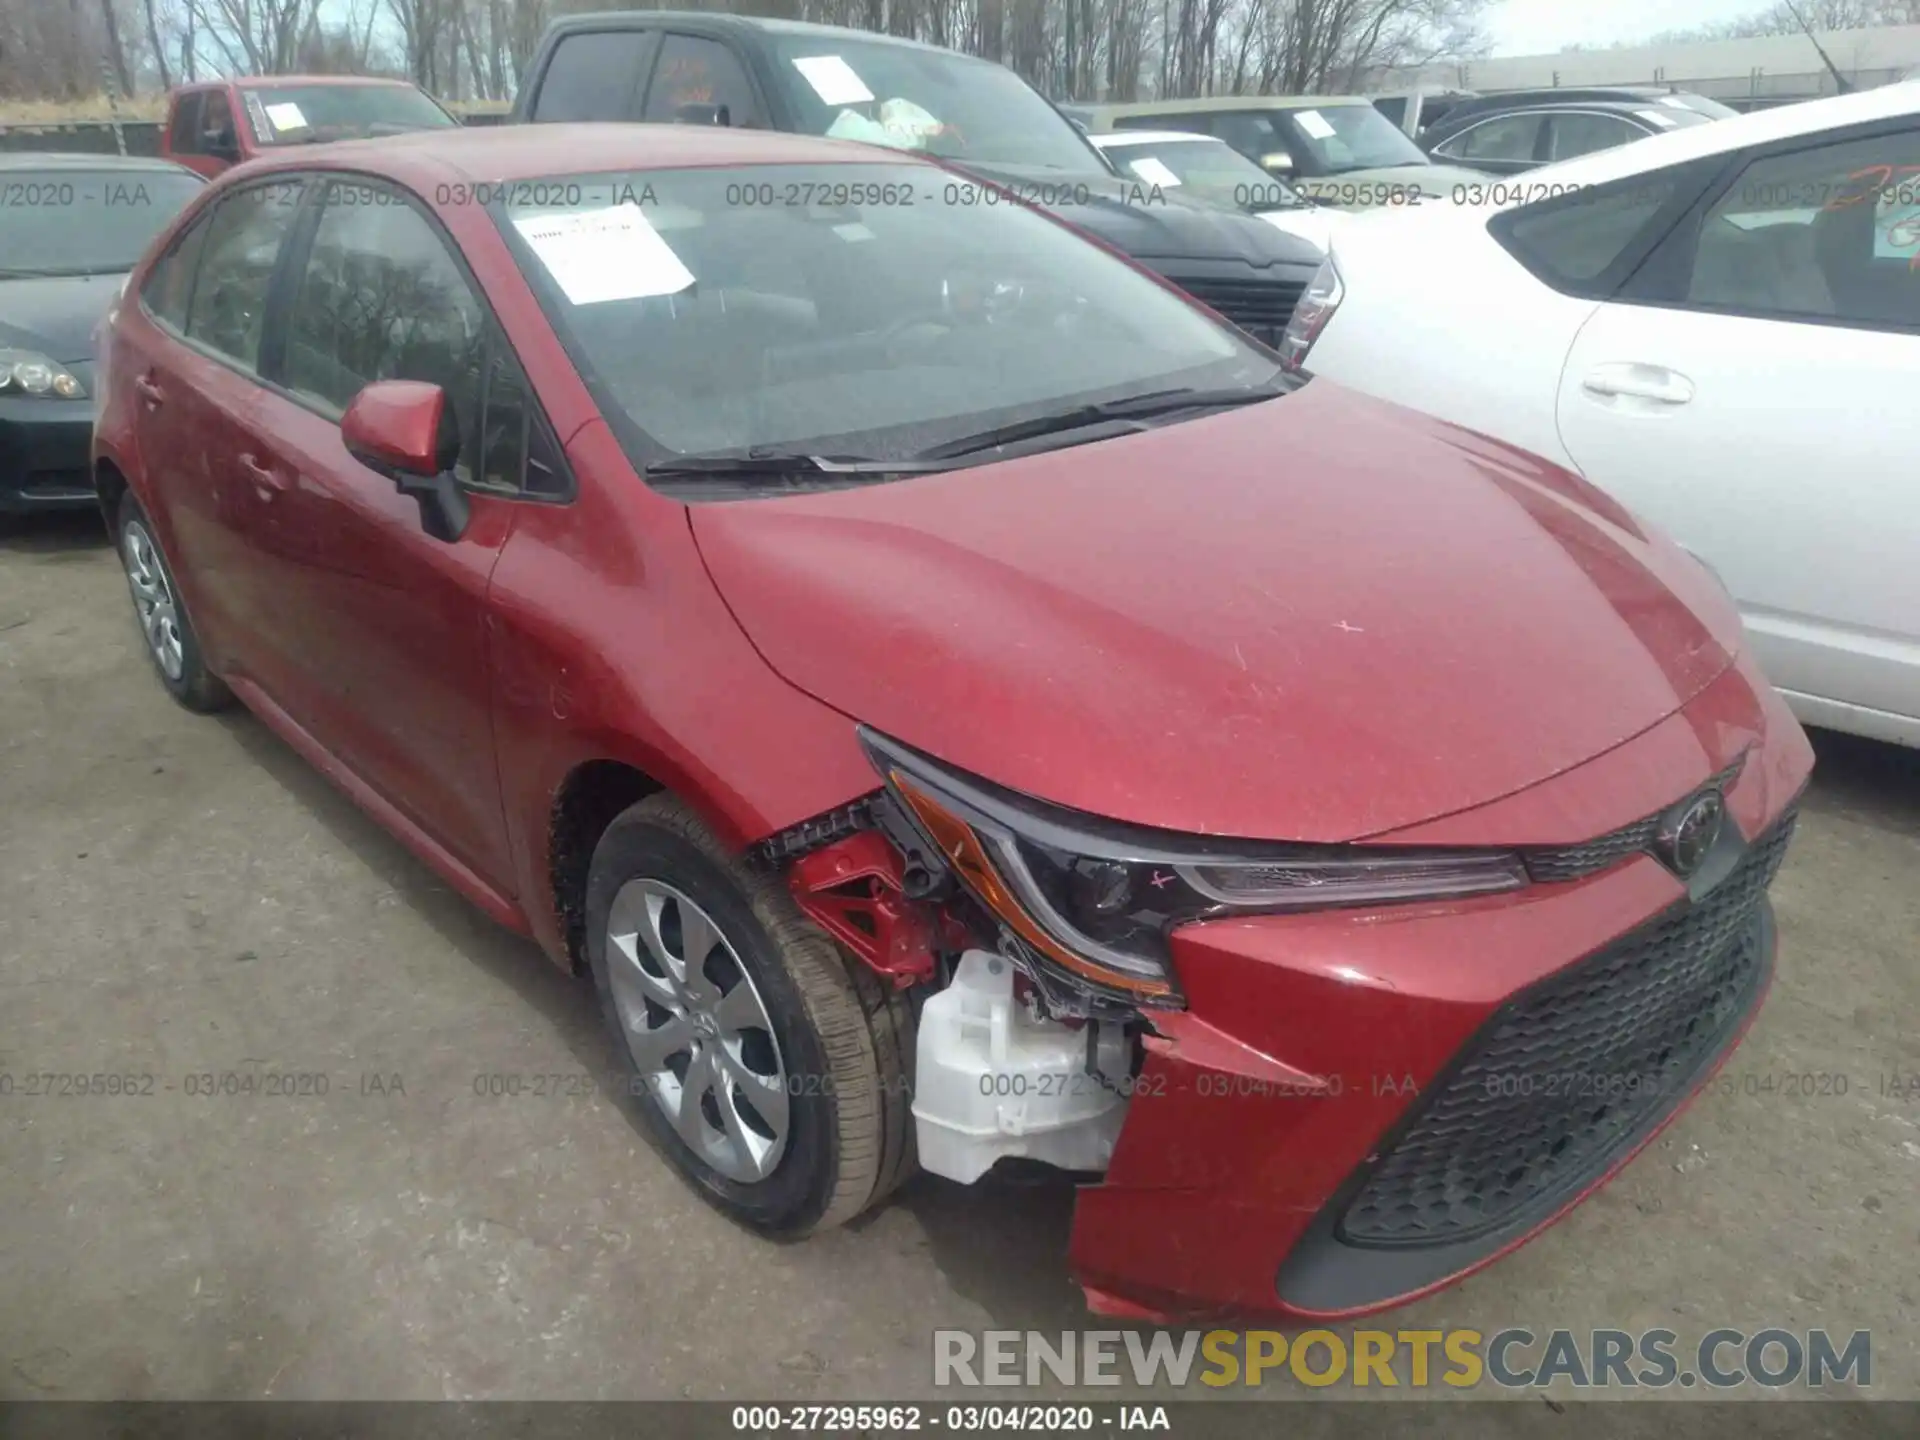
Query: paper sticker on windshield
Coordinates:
[1314,123]
[600,255]
[1153,171]
[833,80]
[853,232]
[286,116]
[1654,117]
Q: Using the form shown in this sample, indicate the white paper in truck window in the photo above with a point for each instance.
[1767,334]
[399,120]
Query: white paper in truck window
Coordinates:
[833,80]
[1314,123]
[286,116]
[600,255]
[1154,172]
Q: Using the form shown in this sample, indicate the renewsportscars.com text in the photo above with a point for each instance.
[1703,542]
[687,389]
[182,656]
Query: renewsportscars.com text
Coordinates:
[1513,1358]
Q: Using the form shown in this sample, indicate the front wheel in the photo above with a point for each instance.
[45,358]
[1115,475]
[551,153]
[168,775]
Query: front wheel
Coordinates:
[768,1068]
[171,642]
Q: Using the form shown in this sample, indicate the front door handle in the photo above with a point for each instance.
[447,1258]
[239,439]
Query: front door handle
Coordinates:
[269,480]
[1654,383]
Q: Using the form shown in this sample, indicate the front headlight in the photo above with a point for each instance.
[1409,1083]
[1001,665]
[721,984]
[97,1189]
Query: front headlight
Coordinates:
[26,372]
[1099,899]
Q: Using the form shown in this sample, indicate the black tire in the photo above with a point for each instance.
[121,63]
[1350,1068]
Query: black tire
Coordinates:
[195,687]
[845,1037]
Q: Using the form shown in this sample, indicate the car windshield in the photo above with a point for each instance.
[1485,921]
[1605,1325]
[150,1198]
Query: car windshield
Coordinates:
[864,310]
[932,100]
[1205,168]
[84,222]
[1346,137]
[301,114]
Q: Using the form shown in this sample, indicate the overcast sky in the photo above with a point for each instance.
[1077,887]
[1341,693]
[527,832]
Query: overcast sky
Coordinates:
[1536,27]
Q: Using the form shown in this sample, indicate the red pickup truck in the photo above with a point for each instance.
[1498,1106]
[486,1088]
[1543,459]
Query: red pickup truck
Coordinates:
[223,122]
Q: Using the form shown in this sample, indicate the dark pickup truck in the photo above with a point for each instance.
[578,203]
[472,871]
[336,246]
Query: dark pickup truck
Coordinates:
[719,69]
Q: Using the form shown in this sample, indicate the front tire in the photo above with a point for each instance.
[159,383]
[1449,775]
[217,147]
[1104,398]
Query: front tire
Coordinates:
[171,642]
[768,1068]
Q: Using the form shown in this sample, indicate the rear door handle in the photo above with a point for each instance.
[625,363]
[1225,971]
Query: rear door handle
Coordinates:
[148,390]
[270,480]
[1638,382]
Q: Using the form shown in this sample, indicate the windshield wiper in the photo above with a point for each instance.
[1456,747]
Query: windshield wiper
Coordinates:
[1081,417]
[782,462]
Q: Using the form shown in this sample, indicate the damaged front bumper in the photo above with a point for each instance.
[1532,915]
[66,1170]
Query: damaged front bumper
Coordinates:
[1343,1109]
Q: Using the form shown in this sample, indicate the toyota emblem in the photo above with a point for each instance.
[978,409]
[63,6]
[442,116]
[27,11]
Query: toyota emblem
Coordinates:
[1689,835]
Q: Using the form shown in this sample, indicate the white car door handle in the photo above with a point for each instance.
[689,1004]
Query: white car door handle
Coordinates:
[1639,382]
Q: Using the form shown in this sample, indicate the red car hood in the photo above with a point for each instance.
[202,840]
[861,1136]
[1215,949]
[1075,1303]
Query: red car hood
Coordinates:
[1319,618]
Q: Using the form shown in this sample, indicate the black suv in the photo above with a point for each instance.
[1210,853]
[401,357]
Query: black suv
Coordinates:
[717,69]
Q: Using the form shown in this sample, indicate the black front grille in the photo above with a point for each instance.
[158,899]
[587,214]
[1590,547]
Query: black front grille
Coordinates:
[1570,1072]
[1572,862]
[1260,307]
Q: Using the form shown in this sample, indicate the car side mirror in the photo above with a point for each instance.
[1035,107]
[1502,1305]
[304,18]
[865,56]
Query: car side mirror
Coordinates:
[220,144]
[406,431]
[1277,162]
[702,115]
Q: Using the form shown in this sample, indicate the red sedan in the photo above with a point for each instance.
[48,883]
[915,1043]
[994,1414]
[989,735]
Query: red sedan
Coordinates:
[960,699]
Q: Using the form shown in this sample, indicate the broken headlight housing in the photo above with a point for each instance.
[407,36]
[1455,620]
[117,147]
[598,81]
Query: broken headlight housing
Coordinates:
[1098,900]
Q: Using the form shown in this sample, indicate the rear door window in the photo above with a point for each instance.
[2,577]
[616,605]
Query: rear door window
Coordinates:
[1504,138]
[169,285]
[1583,132]
[242,249]
[594,75]
[1587,242]
[694,74]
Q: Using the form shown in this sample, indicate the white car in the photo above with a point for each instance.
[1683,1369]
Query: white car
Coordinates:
[1212,170]
[1720,327]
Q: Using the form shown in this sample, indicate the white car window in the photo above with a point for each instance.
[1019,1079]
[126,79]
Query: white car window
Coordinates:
[1828,232]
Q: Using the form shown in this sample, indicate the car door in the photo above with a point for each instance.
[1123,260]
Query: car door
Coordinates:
[383,630]
[1751,391]
[196,368]
[1500,145]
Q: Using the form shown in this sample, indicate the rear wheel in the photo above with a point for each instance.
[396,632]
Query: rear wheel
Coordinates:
[769,1068]
[168,633]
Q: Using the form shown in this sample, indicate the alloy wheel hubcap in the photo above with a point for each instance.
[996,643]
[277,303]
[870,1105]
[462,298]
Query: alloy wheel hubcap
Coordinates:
[698,1030]
[153,601]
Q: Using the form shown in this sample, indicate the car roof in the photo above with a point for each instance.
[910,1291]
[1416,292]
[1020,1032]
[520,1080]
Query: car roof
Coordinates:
[1454,121]
[1212,103]
[280,82]
[487,154]
[712,20]
[1120,138]
[1737,132]
[79,160]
